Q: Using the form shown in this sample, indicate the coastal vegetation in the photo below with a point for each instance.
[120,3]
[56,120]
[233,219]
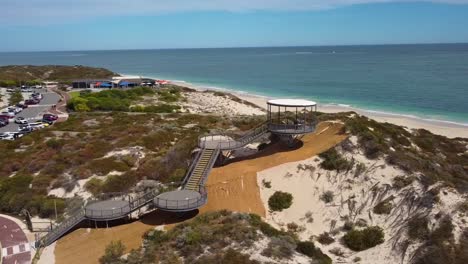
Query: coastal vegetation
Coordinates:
[15,98]
[127,100]
[435,158]
[280,201]
[146,146]
[228,236]
[364,239]
[16,75]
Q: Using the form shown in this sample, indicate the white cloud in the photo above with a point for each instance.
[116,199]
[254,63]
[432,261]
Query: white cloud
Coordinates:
[30,11]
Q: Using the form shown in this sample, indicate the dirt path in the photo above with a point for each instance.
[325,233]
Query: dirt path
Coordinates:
[232,187]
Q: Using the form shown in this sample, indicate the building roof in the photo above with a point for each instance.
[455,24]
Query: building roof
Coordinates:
[291,102]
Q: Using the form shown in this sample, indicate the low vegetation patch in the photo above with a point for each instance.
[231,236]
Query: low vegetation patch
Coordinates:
[226,234]
[280,201]
[359,240]
[325,239]
[16,75]
[435,157]
[418,228]
[327,196]
[384,207]
[108,100]
[332,160]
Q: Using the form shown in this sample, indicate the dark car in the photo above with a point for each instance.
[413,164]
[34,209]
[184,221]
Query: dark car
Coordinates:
[49,117]
[22,106]
[31,102]
[5,119]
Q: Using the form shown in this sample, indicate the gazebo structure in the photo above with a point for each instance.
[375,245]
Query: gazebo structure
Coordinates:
[290,117]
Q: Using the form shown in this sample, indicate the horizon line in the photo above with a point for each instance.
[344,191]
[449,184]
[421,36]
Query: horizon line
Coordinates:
[246,47]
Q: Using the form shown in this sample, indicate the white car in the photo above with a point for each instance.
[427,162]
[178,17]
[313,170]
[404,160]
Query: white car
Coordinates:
[15,110]
[7,136]
[10,114]
[20,120]
[36,125]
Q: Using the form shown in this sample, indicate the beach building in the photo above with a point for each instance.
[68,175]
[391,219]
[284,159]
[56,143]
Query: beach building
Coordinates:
[115,82]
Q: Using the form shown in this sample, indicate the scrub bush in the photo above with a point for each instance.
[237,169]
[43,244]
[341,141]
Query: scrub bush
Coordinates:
[280,200]
[364,239]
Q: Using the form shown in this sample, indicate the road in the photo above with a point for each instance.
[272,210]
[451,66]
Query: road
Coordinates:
[14,243]
[33,112]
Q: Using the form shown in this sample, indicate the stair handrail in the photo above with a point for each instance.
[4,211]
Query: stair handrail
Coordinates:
[251,135]
[192,167]
[210,165]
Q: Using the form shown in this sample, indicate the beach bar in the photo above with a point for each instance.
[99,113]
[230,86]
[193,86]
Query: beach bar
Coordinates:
[291,116]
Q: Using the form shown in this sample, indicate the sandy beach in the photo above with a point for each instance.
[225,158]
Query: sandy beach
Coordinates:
[444,128]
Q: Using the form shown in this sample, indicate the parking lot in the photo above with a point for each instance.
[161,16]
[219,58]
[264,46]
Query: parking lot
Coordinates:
[33,112]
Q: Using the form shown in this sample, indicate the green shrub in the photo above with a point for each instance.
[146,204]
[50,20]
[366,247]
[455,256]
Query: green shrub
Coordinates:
[94,186]
[280,248]
[113,252]
[15,98]
[229,257]
[266,184]
[327,197]
[364,239]
[308,248]
[402,181]
[384,207]
[325,239]
[332,160]
[418,228]
[119,183]
[279,201]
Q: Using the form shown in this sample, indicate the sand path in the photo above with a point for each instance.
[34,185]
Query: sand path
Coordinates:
[232,187]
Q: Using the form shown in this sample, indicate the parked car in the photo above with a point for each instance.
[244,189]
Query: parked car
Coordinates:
[3,123]
[38,125]
[20,105]
[47,121]
[31,102]
[9,90]
[14,109]
[36,95]
[6,136]
[9,114]
[20,120]
[50,117]
[26,129]
[5,120]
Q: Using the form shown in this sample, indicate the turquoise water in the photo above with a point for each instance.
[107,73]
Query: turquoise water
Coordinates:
[427,81]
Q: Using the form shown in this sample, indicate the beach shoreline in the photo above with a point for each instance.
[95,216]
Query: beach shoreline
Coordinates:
[440,127]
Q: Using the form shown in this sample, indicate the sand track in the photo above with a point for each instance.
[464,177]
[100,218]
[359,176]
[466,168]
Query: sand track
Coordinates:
[232,187]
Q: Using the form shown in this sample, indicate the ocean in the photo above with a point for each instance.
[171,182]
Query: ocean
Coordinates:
[425,81]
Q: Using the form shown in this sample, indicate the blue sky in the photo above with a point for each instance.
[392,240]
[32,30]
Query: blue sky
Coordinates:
[47,25]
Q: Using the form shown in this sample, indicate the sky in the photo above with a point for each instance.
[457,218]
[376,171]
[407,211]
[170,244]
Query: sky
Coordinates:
[55,25]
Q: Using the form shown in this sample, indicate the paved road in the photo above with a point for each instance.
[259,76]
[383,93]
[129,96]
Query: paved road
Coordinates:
[14,243]
[33,112]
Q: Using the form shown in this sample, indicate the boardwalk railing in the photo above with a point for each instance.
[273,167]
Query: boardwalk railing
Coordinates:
[55,232]
[192,167]
[182,205]
[223,142]
[211,163]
